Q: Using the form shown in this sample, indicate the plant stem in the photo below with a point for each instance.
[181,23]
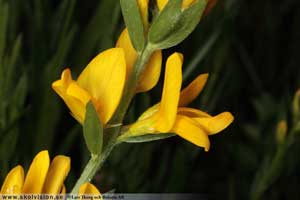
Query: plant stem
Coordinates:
[94,164]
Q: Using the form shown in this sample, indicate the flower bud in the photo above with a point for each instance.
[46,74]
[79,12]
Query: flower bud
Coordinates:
[281,131]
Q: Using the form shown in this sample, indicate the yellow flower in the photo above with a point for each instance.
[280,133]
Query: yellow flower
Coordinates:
[171,115]
[187,3]
[101,82]
[151,73]
[42,177]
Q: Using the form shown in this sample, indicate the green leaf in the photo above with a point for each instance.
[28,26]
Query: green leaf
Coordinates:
[134,23]
[164,24]
[15,52]
[93,130]
[148,138]
[168,31]
[3,27]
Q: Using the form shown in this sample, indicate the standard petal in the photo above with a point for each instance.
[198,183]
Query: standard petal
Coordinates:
[104,79]
[166,114]
[37,173]
[58,171]
[191,92]
[143,6]
[88,188]
[130,53]
[215,124]
[151,74]
[188,129]
[13,182]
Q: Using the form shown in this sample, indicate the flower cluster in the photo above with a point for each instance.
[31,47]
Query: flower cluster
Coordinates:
[132,66]
[103,80]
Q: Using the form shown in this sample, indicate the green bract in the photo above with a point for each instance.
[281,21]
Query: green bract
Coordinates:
[93,130]
[134,23]
[174,24]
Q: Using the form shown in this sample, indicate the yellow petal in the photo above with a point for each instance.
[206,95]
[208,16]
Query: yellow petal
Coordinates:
[13,182]
[161,4]
[191,92]
[130,53]
[141,127]
[217,123]
[143,6]
[74,96]
[58,171]
[149,112]
[88,188]
[188,129]
[37,173]
[166,114]
[104,79]
[151,74]
[185,3]
[191,112]
[61,85]
[74,90]
[63,189]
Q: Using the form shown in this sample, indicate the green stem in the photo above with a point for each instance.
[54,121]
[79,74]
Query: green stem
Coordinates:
[94,164]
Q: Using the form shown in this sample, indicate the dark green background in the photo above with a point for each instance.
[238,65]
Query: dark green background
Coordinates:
[250,48]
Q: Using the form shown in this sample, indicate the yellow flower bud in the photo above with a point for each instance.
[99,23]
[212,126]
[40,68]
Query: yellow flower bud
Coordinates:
[281,131]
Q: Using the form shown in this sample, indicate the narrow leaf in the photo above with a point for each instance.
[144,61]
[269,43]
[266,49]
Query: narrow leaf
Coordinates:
[185,22]
[3,27]
[134,23]
[93,130]
[164,24]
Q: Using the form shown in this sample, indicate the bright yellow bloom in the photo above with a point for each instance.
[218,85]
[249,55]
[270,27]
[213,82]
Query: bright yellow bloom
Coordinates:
[42,177]
[187,3]
[101,82]
[171,115]
[151,73]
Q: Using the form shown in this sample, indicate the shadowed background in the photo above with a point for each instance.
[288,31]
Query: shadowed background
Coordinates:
[249,48]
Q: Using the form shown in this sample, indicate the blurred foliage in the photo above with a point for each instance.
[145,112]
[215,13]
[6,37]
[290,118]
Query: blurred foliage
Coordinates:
[250,49]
